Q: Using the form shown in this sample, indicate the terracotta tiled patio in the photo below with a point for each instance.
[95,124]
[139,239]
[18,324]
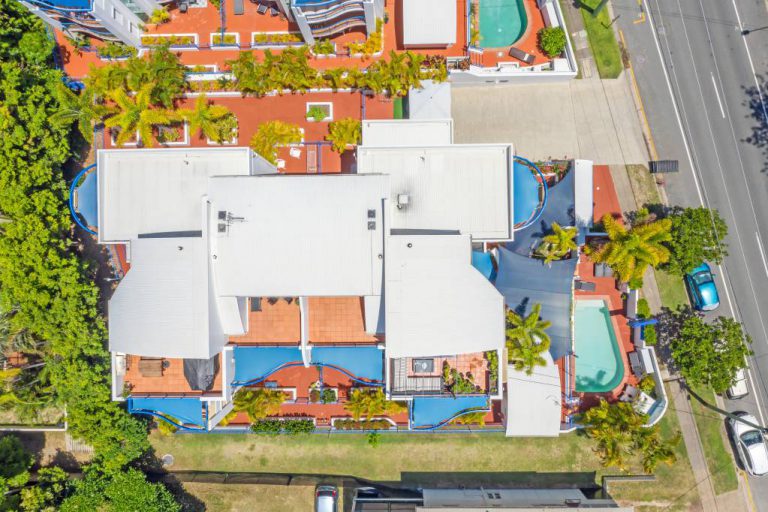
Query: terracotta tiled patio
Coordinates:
[171,383]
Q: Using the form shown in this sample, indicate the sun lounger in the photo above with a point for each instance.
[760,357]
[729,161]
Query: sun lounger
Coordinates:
[239,7]
[273,12]
[521,55]
[262,9]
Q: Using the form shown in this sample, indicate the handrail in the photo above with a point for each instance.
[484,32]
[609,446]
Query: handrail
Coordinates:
[72,199]
[336,10]
[292,364]
[543,203]
[338,27]
[457,415]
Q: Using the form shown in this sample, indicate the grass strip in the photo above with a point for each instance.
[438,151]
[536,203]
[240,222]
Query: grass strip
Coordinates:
[710,427]
[602,42]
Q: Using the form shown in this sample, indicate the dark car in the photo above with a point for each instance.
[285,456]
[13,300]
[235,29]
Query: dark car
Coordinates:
[703,290]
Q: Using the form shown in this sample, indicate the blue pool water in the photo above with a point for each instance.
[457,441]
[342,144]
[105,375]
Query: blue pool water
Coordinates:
[430,411]
[502,22]
[255,362]
[86,199]
[188,410]
[526,192]
[599,366]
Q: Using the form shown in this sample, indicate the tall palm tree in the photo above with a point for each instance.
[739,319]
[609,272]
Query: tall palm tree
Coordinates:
[207,118]
[557,244]
[137,115]
[82,109]
[527,339]
[630,251]
[259,403]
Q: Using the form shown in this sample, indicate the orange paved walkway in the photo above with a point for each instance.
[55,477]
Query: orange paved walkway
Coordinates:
[606,200]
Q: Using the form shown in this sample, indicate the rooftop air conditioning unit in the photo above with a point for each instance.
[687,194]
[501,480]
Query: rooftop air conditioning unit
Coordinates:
[403,200]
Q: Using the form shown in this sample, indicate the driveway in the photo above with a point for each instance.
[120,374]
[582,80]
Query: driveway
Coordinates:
[588,118]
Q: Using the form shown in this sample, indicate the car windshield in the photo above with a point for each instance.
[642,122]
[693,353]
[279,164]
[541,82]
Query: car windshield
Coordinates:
[751,437]
[702,277]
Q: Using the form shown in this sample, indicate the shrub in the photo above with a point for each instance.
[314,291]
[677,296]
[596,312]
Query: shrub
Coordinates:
[371,45]
[643,309]
[317,113]
[374,439]
[344,132]
[649,335]
[165,428]
[472,418]
[267,426]
[647,385]
[314,395]
[293,427]
[272,134]
[160,16]
[229,39]
[552,40]
[328,396]
[258,403]
[324,47]
[351,424]
[113,50]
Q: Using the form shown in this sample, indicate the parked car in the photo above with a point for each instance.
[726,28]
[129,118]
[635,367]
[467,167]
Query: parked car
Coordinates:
[326,498]
[703,290]
[750,444]
[739,388]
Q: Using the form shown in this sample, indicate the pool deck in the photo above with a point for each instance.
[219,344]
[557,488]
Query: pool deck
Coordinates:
[605,289]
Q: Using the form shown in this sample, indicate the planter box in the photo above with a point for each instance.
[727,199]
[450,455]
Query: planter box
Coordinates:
[176,134]
[330,55]
[231,40]
[361,424]
[326,106]
[113,139]
[177,41]
[275,39]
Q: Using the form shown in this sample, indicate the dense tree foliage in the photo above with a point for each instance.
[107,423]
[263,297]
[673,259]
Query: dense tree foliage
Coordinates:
[698,235]
[706,353]
[46,290]
[527,339]
[619,433]
[629,251]
[552,40]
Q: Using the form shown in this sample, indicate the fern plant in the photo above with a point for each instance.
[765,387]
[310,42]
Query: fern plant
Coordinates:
[343,133]
[273,134]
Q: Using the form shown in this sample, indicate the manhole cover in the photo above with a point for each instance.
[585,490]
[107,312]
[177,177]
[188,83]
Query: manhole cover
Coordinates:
[167,460]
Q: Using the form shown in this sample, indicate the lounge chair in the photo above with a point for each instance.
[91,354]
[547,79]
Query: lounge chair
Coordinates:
[273,12]
[586,286]
[262,9]
[239,8]
[521,55]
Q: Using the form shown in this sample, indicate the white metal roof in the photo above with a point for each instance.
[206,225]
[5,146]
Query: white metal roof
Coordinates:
[464,187]
[408,132]
[429,22]
[294,235]
[437,303]
[430,101]
[144,191]
[533,401]
[162,306]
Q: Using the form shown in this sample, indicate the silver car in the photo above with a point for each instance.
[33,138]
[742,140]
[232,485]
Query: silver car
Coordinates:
[750,444]
[326,498]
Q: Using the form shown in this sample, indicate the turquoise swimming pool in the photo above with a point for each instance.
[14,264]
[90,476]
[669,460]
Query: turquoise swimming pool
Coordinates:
[599,367]
[502,22]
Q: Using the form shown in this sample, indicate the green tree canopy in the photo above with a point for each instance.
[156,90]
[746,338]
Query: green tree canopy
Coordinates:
[370,403]
[707,353]
[552,41]
[273,134]
[630,251]
[698,235]
[259,403]
[126,491]
[527,339]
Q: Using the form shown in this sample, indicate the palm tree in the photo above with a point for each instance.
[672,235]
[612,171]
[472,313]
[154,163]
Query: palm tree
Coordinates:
[527,339]
[259,403]
[370,403]
[82,109]
[14,339]
[629,252]
[136,115]
[655,450]
[208,119]
[557,244]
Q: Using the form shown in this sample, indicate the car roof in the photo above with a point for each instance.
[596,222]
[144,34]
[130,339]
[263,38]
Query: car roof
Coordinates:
[708,293]
[741,428]
[739,386]
[704,267]
[759,455]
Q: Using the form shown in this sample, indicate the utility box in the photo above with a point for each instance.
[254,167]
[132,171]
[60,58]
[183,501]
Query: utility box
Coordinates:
[663,166]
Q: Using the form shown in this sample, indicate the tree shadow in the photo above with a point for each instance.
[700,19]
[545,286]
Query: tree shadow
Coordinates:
[151,464]
[758,112]
[668,329]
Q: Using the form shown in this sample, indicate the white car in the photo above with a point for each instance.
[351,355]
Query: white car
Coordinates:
[739,388]
[750,444]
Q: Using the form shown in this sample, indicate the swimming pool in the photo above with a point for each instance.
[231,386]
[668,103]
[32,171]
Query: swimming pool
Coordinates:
[502,22]
[432,411]
[599,366]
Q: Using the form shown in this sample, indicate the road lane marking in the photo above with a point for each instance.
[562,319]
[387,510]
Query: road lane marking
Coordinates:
[748,488]
[699,191]
[720,103]
[751,64]
[762,252]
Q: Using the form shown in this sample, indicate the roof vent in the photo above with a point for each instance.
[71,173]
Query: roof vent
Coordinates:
[403,200]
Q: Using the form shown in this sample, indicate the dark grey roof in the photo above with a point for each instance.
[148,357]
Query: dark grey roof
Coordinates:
[560,208]
[525,281]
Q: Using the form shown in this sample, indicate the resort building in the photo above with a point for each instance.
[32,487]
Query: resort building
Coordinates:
[481,41]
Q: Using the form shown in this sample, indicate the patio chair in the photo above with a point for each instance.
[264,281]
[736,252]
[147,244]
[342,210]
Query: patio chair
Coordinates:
[239,7]
[183,6]
[262,9]
[586,286]
[295,152]
[521,55]
[273,12]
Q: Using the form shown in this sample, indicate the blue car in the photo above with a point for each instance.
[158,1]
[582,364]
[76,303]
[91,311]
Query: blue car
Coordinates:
[703,289]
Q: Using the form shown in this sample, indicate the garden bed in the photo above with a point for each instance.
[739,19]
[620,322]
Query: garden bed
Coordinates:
[372,424]
[275,39]
[174,40]
[175,134]
[230,39]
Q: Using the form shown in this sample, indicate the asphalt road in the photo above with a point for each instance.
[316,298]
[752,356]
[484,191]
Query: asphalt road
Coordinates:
[698,75]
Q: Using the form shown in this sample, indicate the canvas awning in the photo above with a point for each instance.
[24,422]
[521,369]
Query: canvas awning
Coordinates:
[534,401]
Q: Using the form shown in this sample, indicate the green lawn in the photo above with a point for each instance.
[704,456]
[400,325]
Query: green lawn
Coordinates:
[602,41]
[397,108]
[672,290]
[400,454]
[716,449]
